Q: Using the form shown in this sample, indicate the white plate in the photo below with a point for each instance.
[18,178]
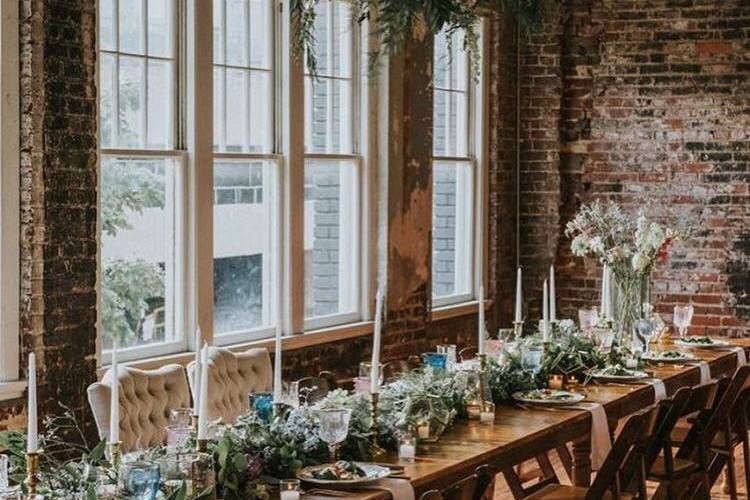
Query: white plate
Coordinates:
[373,473]
[571,399]
[635,375]
[715,343]
[656,357]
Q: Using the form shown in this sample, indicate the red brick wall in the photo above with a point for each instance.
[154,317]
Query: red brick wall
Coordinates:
[640,100]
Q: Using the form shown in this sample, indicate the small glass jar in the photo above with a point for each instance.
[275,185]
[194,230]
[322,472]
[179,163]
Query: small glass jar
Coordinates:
[139,479]
[407,446]
[262,404]
[556,381]
[487,414]
[436,360]
[289,489]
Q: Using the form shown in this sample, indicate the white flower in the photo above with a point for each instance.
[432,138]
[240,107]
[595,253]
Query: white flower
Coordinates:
[640,262]
[580,246]
[596,244]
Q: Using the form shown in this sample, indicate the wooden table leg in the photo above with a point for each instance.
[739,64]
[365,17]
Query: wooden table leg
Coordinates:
[582,462]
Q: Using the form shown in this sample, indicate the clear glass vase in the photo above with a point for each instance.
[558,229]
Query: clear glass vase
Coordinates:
[630,293]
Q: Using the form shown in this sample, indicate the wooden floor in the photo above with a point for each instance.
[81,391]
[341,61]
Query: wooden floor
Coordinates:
[502,491]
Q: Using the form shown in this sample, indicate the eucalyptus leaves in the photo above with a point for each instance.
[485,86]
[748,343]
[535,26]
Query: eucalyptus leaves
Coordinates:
[392,22]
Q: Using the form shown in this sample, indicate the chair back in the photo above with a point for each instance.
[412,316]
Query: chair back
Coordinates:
[146,400]
[467,353]
[431,495]
[472,487]
[727,404]
[395,368]
[607,477]
[231,378]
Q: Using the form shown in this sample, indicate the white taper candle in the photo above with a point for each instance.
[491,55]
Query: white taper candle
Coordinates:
[603,303]
[480,327]
[519,297]
[277,365]
[32,438]
[375,361]
[552,297]
[203,412]
[114,398]
[198,366]
[545,311]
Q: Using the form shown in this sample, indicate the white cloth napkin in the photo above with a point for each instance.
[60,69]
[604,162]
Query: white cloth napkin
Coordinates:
[705,372]
[741,356]
[601,442]
[400,489]
[660,391]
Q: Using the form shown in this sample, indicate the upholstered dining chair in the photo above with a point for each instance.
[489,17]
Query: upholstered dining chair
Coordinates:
[146,399]
[232,376]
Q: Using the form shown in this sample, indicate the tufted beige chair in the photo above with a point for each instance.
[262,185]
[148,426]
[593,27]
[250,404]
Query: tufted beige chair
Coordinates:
[232,376]
[146,398]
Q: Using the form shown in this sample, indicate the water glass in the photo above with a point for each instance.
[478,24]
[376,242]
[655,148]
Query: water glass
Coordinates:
[362,385]
[645,331]
[290,394]
[289,489]
[262,404]
[588,317]
[139,480]
[175,471]
[603,338]
[333,428]
[683,315]
[531,358]
[365,370]
[436,360]
[178,438]
[450,352]
[181,417]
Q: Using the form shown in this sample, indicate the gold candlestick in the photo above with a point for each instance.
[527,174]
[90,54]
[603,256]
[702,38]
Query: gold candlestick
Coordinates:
[377,450]
[518,329]
[115,453]
[32,473]
[194,422]
[482,369]
[201,445]
[202,472]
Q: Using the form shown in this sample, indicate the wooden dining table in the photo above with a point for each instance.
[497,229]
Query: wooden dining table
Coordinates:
[521,433]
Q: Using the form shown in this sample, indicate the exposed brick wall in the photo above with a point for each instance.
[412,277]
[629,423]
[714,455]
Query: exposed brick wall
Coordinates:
[58,200]
[638,100]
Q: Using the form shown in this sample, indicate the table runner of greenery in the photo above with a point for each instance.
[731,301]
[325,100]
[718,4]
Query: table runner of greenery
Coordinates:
[249,454]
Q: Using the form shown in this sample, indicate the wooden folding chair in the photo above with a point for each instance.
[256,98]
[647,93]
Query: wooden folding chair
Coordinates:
[698,444]
[607,483]
[467,353]
[473,487]
[313,389]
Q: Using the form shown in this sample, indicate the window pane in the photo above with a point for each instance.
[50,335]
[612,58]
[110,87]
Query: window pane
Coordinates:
[328,115]
[243,87]
[131,26]
[107,25]
[330,237]
[108,118]
[159,103]
[244,236]
[451,126]
[334,38]
[138,250]
[160,28]
[132,102]
[451,228]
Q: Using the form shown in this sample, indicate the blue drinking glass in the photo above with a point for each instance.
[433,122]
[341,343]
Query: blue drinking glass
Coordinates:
[139,480]
[436,360]
[262,404]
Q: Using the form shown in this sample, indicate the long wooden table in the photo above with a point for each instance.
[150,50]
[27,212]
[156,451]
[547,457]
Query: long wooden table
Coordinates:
[522,434]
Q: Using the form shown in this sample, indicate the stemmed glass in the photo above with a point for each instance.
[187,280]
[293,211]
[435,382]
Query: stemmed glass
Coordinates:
[645,329]
[334,427]
[683,315]
[531,358]
[588,318]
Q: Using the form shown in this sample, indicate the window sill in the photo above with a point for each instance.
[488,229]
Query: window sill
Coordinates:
[289,343]
[12,390]
[455,310]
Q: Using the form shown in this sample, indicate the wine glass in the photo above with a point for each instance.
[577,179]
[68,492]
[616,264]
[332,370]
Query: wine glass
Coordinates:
[588,318]
[531,358]
[683,315]
[334,427]
[645,330]
[139,480]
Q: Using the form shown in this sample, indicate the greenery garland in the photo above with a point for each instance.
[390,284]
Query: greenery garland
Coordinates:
[394,20]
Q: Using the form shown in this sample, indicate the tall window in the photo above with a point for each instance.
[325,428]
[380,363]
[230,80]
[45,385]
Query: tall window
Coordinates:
[245,180]
[141,175]
[331,171]
[453,172]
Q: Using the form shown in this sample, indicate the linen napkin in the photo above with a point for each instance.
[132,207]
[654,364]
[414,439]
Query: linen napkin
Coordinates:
[601,442]
[400,489]
[660,391]
[705,372]
[741,356]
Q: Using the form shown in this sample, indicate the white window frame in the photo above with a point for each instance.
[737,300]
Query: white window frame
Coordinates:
[194,293]
[357,158]
[474,236]
[10,386]
[180,157]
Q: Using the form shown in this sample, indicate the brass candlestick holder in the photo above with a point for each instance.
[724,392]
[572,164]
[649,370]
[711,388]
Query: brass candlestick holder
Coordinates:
[32,473]
[377,450]
[115,453]
[202,471]
[194,422]
[482,369]
[518,329]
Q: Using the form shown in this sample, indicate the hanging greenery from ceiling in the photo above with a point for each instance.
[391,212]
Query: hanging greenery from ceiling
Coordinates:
[393,21]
